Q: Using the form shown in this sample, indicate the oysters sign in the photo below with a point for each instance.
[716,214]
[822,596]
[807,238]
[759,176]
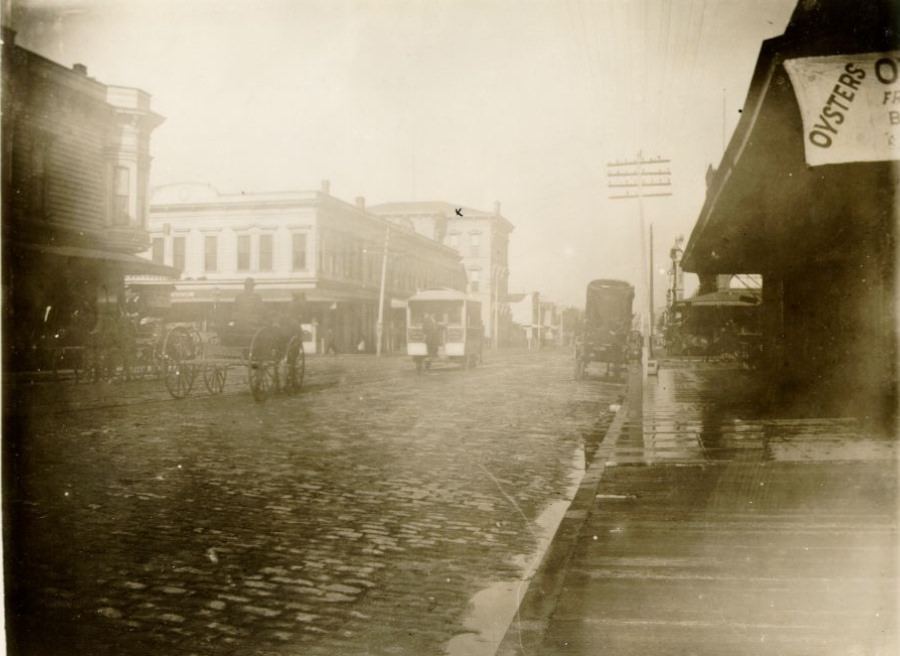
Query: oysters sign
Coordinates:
[850,106]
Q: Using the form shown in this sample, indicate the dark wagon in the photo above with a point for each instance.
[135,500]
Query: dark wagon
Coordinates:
[606,329]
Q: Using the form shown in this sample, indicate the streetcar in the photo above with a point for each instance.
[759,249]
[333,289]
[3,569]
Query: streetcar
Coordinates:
[606,332]
[444,324]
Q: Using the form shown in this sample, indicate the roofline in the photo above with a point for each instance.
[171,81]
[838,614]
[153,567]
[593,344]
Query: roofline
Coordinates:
[410,211]
[767,61]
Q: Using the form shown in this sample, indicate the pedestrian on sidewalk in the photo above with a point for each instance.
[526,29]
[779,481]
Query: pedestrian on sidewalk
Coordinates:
[330,346]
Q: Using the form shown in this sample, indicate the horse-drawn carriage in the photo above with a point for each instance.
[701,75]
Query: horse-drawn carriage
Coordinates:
[272,356]
[606,334]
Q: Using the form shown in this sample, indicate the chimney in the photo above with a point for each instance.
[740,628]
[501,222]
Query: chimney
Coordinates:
[326,187]
[496,208]
[361,202]
[81,69]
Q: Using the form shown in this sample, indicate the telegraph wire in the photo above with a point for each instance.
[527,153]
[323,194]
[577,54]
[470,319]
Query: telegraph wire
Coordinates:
[693,66]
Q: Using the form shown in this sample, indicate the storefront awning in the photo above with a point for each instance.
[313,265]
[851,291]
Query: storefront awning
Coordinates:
[725,298]
[129,264]
[767,210]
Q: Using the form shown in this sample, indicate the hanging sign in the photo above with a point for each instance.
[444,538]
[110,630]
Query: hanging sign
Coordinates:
[850,106]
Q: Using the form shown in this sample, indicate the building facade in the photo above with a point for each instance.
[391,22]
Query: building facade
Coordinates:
[76,167]
[308,242]
[822,235]
[481,238]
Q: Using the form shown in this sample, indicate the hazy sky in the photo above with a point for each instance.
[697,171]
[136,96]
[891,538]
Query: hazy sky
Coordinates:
[524,102]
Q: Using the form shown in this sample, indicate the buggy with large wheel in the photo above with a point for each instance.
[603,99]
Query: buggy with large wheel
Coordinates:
[606,330]
[272,356]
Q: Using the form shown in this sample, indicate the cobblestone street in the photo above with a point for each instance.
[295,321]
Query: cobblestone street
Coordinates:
[358,517]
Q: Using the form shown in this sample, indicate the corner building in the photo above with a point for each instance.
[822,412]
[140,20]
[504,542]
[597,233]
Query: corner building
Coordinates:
[76,166]
[308,242]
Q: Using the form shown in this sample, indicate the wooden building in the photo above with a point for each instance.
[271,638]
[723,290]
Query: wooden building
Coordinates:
[809,201]
[76,168]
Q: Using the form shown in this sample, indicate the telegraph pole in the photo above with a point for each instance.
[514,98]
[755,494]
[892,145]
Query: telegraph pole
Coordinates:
[379,327]
[642,178]
[652,323]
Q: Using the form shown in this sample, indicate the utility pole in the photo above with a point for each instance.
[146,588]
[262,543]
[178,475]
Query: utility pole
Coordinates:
[496,275]
[642,178]
[652,323]
[379,327]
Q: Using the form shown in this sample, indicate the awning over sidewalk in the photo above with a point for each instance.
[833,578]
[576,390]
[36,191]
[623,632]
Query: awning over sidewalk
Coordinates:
[766,208]
[273,292]
[124,261]
[725,298]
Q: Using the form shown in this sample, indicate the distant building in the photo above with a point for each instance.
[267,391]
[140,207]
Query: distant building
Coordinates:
[525,314]
[813,209]
[76,165]
[296,242]
[482,238]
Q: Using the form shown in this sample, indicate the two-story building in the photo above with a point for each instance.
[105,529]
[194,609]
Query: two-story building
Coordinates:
[333,252]
[481,238]
[76,164]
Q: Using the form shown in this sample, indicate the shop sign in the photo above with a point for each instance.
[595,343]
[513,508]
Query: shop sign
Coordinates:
[850,106]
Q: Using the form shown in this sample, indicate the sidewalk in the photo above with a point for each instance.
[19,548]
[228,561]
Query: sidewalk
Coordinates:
[704,528]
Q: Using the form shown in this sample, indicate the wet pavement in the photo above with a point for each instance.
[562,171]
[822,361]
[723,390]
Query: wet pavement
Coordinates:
[707,526]
[373,513]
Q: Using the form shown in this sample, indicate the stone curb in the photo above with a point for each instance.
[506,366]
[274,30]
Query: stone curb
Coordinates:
[526,631]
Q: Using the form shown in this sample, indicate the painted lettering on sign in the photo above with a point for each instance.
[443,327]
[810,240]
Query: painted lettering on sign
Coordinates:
[850,105]
[832,114]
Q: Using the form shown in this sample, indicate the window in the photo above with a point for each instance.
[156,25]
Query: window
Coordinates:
[178,251]
[474,279]
[265,252]
[243,253]
[210,253]
[121,195]
[158,250]
[475,243]
[299,251]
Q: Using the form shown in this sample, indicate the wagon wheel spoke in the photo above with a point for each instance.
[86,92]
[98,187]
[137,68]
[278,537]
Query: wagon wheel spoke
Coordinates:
[262,380]
[176,380]
[179,374]
[214,378]
[295,360]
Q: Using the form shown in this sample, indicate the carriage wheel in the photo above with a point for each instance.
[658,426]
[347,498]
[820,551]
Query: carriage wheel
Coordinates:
[295,361]
[262,370]
[179,379]
[160,364]
[263,380]
[214,378]
[178,349]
